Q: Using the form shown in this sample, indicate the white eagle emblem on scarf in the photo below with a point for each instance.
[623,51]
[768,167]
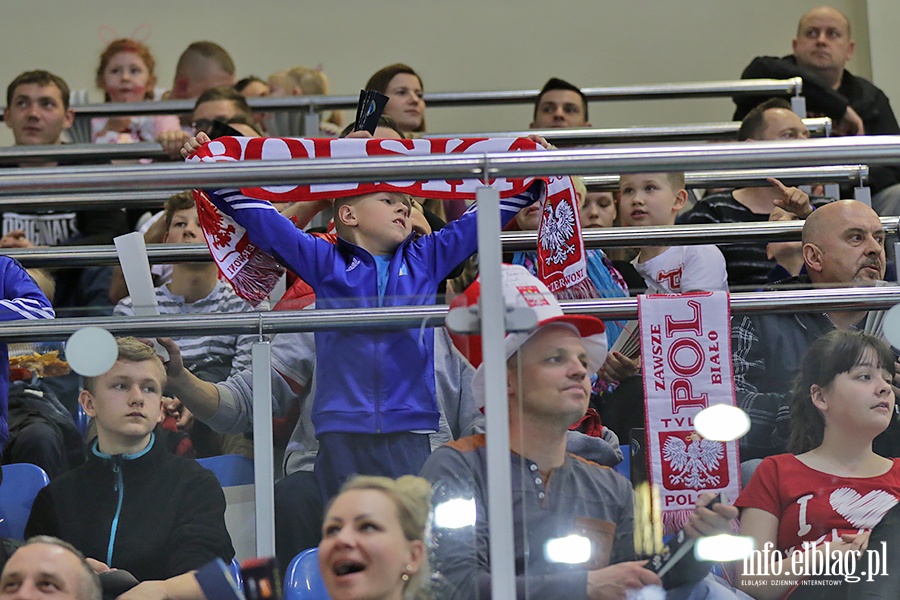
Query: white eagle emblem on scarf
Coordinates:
[557,229]
[691,463]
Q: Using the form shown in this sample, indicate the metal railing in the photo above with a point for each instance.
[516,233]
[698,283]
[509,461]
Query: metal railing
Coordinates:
[856,175]
[93,153]
[725,130]
[582,161]
[85,201]
[703,89]
[417,316]
[610,237]
[81,154]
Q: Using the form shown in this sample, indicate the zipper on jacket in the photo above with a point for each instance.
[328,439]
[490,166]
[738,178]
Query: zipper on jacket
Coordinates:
[119,488]
[116,463]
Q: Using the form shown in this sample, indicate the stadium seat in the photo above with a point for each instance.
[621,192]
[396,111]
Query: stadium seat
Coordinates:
[230,469]
[234,569]
[235,475]
[21,483]
[303,581]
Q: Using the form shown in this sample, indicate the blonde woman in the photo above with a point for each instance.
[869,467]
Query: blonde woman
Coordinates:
[373,539]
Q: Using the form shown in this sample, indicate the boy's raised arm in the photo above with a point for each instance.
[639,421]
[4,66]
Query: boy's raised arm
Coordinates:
[200,397]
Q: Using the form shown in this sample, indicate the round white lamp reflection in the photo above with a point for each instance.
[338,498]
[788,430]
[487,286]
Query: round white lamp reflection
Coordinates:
[722,422]
[91,351]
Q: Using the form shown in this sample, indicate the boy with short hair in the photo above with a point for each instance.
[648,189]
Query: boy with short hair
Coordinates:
[110,507]
[195,288]
[647,199]
[375,401]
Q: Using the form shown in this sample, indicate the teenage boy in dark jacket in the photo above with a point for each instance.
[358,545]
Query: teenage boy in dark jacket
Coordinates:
[134,506]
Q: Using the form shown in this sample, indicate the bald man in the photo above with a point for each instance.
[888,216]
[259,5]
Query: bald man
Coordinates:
[203,65]
[843,245]
[820,52]
[46,563]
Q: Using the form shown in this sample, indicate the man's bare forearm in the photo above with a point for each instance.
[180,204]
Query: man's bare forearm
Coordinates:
[200,397]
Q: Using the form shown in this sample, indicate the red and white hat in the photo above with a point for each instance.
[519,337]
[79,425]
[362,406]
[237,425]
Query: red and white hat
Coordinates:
[522,289]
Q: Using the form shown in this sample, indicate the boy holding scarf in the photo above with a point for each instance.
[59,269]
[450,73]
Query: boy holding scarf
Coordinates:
[375,403]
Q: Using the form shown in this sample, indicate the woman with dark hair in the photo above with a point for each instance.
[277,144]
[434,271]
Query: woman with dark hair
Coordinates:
[404,88]
[252,87]
[833,488]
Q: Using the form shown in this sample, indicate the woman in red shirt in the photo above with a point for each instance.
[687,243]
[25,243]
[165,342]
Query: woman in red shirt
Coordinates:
[833,488]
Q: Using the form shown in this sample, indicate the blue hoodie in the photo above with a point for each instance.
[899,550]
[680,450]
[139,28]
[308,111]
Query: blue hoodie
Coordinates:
[368,381]
[20,298]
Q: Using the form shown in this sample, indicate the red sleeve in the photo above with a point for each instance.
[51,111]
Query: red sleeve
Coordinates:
[762,490]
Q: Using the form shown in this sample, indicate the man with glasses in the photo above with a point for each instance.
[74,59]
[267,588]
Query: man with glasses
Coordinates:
[218,104]
[221,103]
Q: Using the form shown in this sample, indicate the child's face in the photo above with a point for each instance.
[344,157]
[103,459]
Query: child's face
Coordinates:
[184,228]
[279,86]
[126,78]
[598,210]
[529,218]
[382,221]
[648,199]
[859,399]
[126,401]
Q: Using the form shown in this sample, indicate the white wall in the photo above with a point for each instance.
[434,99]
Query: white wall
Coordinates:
[884,23]
[457,45]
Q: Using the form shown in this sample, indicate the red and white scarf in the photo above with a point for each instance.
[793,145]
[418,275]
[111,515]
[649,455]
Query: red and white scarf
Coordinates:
[686,355]
[560,247]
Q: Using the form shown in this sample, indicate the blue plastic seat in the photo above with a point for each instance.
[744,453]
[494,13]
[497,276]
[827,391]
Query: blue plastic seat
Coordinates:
[303,580]
[234,569]
[230,469]
[235,475]
[21,483]
[624,467]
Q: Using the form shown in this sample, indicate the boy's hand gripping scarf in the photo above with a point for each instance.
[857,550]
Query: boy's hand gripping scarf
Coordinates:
[253,274]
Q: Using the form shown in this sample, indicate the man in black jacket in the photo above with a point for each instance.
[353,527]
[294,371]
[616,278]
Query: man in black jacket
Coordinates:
[821,50]
[38,113]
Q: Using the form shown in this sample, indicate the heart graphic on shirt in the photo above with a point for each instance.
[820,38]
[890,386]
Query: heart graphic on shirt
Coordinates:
[863,512]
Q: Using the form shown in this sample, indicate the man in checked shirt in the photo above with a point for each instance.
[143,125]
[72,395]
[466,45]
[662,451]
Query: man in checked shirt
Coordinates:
[843,246]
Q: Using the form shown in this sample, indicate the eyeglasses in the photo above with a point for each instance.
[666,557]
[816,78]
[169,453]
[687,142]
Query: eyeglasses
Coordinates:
[205,125]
